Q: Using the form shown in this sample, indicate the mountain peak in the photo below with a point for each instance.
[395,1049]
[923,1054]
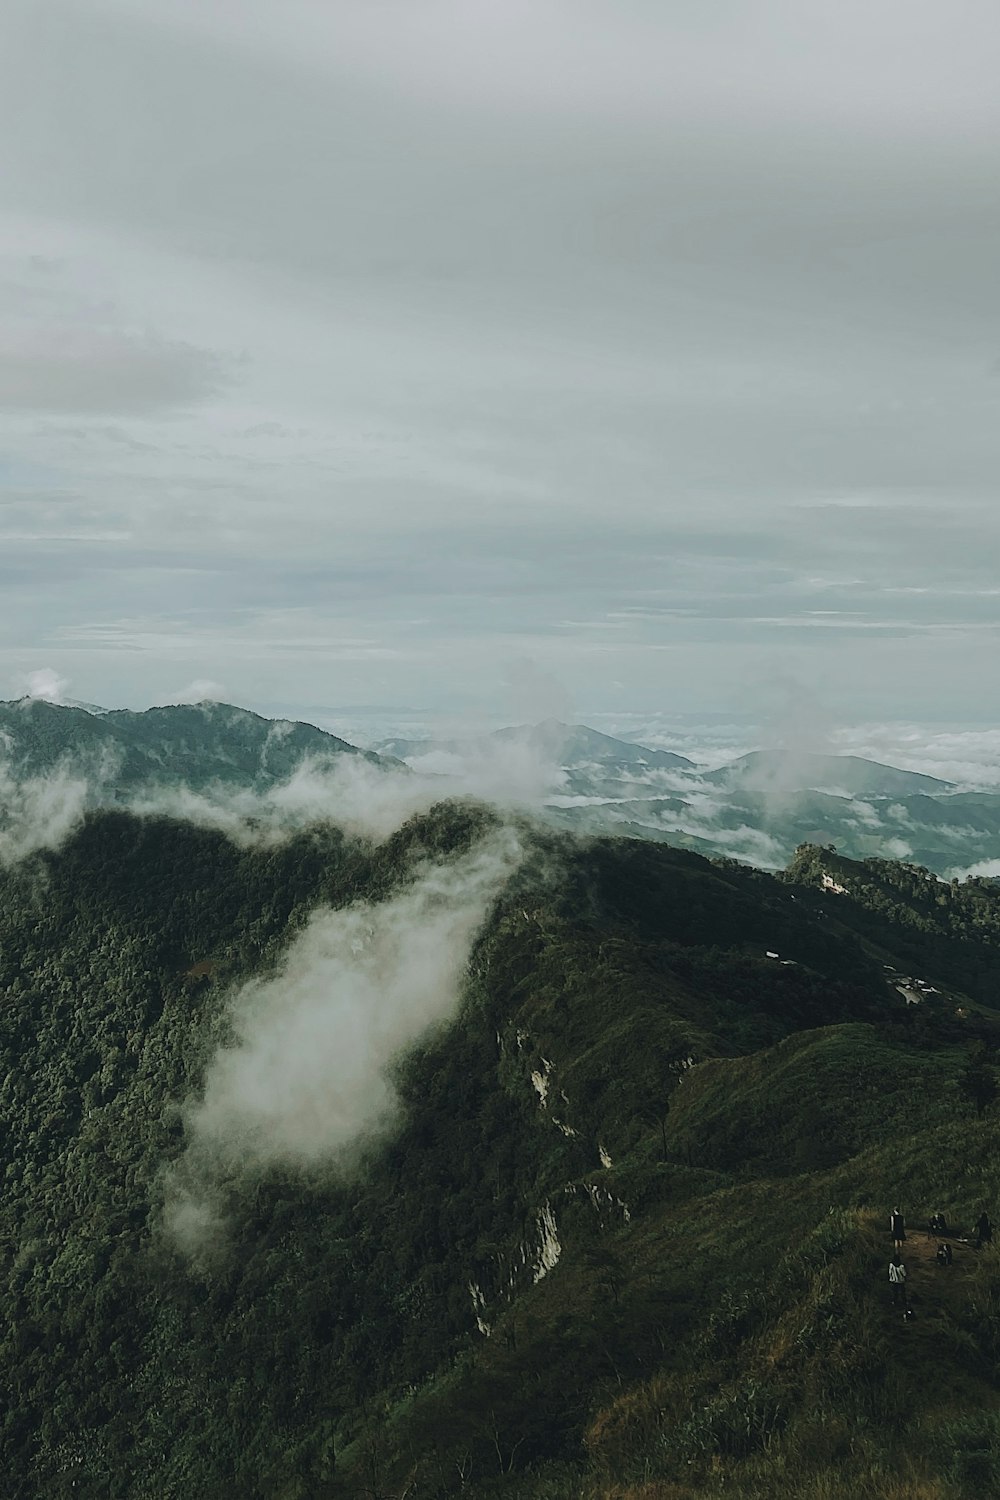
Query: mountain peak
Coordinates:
[799,771]
[190,743]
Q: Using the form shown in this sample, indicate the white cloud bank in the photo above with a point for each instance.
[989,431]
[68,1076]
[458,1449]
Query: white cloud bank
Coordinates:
[988,869]
[38,812]
[307,1074]
[47,685]
[365,800]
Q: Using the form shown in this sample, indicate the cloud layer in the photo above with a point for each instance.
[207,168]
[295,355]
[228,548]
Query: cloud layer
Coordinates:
[307,1075]
[38,812]
[307,1071]
[380,346]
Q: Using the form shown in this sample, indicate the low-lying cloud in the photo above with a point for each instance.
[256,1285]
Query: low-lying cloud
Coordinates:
[986,869]
[307,1073]
[38,812]
[362,798]
[511,773]
[47,685]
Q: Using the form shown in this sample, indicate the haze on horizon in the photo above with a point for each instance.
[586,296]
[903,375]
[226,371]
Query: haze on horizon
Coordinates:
[394,353]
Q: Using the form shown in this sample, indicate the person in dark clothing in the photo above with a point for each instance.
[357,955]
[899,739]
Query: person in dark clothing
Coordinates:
[938,1224]
[984,1230]
[943,1256]
[897,1283]
[897,1227]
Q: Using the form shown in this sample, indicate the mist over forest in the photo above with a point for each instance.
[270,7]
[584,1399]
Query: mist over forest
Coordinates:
[367,1134]
[499,758]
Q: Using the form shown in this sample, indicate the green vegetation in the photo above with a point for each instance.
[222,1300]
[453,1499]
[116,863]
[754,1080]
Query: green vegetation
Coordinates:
[194,745]
[674,1237]
[948,932]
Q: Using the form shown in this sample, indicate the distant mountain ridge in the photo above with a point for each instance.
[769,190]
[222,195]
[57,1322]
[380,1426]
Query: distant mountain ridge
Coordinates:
[795,771]
[568,744]
[196,744]
[757,808]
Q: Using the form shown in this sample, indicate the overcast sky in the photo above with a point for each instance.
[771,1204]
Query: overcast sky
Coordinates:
[388,351]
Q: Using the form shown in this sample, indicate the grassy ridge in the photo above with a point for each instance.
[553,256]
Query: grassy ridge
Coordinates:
[739,1340]
[812,1101]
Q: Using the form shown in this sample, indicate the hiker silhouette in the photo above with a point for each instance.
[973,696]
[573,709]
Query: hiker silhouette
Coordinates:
[897,1282]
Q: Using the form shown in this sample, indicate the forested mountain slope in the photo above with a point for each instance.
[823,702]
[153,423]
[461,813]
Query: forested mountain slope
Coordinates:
[193,744]
[619,1234]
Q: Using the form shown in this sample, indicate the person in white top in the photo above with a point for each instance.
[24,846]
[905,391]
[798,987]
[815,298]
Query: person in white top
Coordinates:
[897,1283]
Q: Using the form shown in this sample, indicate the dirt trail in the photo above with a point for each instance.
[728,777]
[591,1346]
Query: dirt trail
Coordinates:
[932,1286]
[921,1248]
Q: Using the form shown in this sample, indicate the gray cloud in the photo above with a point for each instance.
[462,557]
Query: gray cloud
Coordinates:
[70,370]
[584,335]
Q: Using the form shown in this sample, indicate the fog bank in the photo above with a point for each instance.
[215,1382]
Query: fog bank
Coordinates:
[306,1075]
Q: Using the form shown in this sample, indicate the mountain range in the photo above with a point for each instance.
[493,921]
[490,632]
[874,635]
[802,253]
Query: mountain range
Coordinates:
[607,1218]
[562,744]
[195,744]
[758,807]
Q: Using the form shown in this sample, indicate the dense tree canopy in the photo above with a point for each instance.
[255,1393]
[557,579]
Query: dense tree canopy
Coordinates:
[618,1230]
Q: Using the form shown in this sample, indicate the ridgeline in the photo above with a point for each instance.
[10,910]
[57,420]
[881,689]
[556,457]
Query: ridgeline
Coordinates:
[624,1238]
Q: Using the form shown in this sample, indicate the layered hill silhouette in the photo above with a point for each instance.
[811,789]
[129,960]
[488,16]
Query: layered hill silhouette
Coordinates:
[777,772]
[615,1225]
[758,808]
[568,744]
[189,744]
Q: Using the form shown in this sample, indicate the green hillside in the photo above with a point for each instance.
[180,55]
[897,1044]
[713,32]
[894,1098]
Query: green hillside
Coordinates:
[623,1239]
[191,744]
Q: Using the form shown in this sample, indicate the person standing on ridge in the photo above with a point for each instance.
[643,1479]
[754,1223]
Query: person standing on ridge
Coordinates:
[897,1228]
[897,1283]
[984,1230]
